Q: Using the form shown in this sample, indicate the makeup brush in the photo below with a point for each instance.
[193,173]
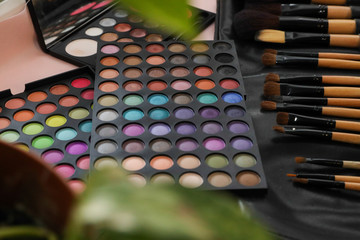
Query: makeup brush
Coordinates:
[327,2]
[315,79]
[331,177]
[284,118]
[324,39]
[322,134]
[247,22]
[311,109]
[334,55]
[340,102]
[329,162]
[308,10]
[269,59]
[328,183]
[285,89]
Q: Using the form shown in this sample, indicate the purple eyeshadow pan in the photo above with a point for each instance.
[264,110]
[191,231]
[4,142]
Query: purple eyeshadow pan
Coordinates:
[159,129]
[187,144]
[184,113]
[185,128]
[211,127]
[209,112]
[53,156]
[76,148]
[238,127]
[241,143]
[133,130]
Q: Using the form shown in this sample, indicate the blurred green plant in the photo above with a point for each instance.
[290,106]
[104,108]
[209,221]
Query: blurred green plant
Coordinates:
[113,208]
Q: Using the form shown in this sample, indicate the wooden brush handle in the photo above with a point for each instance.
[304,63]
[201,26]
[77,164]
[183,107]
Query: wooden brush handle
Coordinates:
[341,112]
[341,80]
[338,63]
[346,137]
[351,164]
[345,92]
[347,125]
[329,2]
[346,56]
[344,102]
[352,186]
[342,12]
[342,26]
[347,178]
[344,40]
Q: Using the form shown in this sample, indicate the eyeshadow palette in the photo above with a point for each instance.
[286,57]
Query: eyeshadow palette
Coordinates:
[52,118]
[72,29]
[175,112]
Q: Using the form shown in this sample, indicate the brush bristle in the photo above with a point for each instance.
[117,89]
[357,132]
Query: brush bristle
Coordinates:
[300,159]
[270,7]
[268,59]
[248,22]
[270,35]
[268,105]
[271,89]
[279,129]
[291,175]
[282,118]
[272,77]
[270,50]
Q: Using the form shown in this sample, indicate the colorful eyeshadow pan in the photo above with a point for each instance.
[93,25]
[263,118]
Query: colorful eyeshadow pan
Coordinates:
[48,117]
[182,121]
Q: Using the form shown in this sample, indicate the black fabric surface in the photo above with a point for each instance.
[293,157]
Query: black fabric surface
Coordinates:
[290,210]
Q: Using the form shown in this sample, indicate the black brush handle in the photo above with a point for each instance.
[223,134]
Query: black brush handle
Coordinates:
[353,2]
[303,24]
[316,176]
[326,183]
[308,10]
[355,11]
[308,132]
[300,54]
[307,38]
[296,61]
[305,100]
[297,90]
[295,119]
[289,107]
[325,162]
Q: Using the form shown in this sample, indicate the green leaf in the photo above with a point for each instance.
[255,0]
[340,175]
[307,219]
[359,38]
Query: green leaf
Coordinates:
[173,14]
[113,208]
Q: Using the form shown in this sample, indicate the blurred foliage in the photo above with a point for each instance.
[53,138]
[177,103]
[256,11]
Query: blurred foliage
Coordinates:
[113,208]
[172,14]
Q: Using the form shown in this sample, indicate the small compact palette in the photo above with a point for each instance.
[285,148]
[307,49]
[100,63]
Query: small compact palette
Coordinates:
[52,118]
[175,112]
[72,29]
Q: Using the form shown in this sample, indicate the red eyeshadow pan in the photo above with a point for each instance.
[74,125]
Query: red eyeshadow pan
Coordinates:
[68,101]
[157,85]
[203,71]
[123,27]
[88,94]
[4,123]
[15,103]
[80,83]
[154,48]
[46,108]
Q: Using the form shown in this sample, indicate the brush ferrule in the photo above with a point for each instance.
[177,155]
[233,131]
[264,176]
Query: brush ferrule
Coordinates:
[300,54]
[317,176]
[326,183]
[305,100]
[355,11]
[308,10]
[325,162]
[295,90]
[310,38]
[303,24]
[295,119]
[296,61]
[308,132]
[353,2]
[299,108]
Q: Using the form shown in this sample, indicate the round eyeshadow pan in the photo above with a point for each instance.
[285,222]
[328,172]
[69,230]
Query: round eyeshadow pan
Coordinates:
[156,72]
[179,72]
[191,180]
[94,31]
[132,86]
[86,126]
[209,112]
[229,84]
[42,142]
[110,49]
[235,111]
[158,99]
[105,163]
[133,100]
[109,61]
[82,47]
[37,96]
[154,38]
[108,100]
[109,37]
[161,162]
[201,59]
[76,148]
[106,147]
[181,85]
[133,114]
[185,128]
[207,98]
[109,73]
[244,160]
[33,128]
[122,27]
[162,178]
[133,130]
[138,33]
[232,97]
[9,136]
[241,143]
[178,59]
[55,121]
[68,101]
[15,103]
[79,113]
[53,156]
[184,113]
[227,70]
[224,58]
[160,145]
[22,146]
[64,170]
[133,163]
[137,180]
[188,162]
[159,129]
[155,60]
[107,22]
[205,84]
[59,89]
[66,134]
[107,130]
[222,46]
[81,83]
[132,60]
[107,115]
[78,186]
[4,122]
[23,115]
[108,86]
[46,108]
[158,113]
[199,47]
[238,127]
[203,71]
[133,146]
[182,98]
[214,144]
[216,161]
[120,13]
[132,48]
[177,47]
[155,48]
[157,85]
[219,179]
[248,178]
[132,73]
[87,94]
[187,144]
[211,127]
